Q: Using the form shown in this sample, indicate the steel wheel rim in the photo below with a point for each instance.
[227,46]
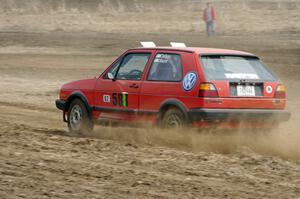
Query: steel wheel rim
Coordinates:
[174,121]
[76,117]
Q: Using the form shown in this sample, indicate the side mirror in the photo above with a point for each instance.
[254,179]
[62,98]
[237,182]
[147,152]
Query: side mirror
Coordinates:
[110,76]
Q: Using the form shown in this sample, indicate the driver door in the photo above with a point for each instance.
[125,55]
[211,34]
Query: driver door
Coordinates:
[117,95]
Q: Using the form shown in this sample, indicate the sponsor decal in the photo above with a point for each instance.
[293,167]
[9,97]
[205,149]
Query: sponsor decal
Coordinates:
[241,76]
[124,99]
[115,99]
[157,60]
[106,98]
[189,81]
[120,99]
[269,89]
[162,58]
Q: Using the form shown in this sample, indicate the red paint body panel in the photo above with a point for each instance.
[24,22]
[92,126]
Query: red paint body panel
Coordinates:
[149,96]
[85,86]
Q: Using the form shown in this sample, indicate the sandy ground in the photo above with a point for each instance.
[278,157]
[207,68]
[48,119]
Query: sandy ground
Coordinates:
[39,159]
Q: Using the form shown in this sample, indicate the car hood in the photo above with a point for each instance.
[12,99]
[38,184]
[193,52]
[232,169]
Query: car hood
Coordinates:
[84,84]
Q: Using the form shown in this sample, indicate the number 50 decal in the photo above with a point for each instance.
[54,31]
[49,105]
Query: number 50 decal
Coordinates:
[120,99]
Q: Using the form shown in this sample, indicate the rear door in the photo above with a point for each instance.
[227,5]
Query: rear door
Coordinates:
[118,98]
[164,79]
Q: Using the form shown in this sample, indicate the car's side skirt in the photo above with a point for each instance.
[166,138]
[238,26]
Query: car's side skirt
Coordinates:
[127,110]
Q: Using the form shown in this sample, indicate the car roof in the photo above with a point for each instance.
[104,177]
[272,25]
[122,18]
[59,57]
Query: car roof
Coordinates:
[200,51]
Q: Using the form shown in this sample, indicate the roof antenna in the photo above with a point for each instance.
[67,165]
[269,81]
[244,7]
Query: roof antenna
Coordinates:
[178,45]
[148,44]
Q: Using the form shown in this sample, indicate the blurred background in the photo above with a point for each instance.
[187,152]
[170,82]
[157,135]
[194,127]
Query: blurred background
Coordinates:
[234,17]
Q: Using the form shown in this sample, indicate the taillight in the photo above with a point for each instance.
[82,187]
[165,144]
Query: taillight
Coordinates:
[280,92]
[208,90]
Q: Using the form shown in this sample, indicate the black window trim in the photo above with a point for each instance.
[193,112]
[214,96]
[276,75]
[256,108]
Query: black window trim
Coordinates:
[171,53]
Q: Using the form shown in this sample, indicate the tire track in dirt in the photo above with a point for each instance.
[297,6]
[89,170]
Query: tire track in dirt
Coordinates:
[27,106]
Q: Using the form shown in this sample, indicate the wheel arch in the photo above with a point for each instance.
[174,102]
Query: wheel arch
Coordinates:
[79,95]
[172,103]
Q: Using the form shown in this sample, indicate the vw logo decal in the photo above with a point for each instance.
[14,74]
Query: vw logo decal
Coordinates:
[189,81]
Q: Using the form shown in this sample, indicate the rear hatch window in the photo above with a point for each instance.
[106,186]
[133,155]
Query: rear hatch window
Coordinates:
[245,74]
[225,67]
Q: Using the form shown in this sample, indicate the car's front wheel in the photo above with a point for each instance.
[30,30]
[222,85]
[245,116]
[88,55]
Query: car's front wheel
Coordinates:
[79,121]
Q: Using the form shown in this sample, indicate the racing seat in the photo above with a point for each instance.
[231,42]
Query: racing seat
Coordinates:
[163,72]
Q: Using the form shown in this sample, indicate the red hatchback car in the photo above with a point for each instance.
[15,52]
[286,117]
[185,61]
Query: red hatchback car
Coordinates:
[176,86]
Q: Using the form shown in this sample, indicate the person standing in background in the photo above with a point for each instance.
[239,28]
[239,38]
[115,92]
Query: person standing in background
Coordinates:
[209,16]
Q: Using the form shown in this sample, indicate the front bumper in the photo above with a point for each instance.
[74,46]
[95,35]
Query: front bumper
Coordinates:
[203,114]
[60,104]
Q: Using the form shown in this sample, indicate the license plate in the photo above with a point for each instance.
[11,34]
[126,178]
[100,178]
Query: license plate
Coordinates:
[245,91]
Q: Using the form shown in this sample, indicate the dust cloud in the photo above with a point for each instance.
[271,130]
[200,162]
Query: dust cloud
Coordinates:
[277,142]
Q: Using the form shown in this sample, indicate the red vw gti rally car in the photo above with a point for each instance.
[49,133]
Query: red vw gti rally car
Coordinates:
[178,86]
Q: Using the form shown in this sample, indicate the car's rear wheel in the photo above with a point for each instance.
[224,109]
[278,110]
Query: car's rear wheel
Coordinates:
[79,121]
[173,118]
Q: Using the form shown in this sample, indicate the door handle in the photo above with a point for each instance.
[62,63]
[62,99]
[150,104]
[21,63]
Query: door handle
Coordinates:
[134,85]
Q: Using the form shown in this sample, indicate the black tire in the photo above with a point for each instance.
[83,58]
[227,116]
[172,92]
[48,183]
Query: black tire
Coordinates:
[173,118]
[79,121]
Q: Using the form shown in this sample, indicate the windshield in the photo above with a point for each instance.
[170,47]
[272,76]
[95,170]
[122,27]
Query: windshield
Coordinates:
[225,67]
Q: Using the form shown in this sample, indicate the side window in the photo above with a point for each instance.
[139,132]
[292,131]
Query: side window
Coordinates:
[166,67]
[113,69]
[133,66]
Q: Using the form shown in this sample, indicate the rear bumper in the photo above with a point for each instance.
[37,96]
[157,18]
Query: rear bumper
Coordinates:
[203,114]
[60,104]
